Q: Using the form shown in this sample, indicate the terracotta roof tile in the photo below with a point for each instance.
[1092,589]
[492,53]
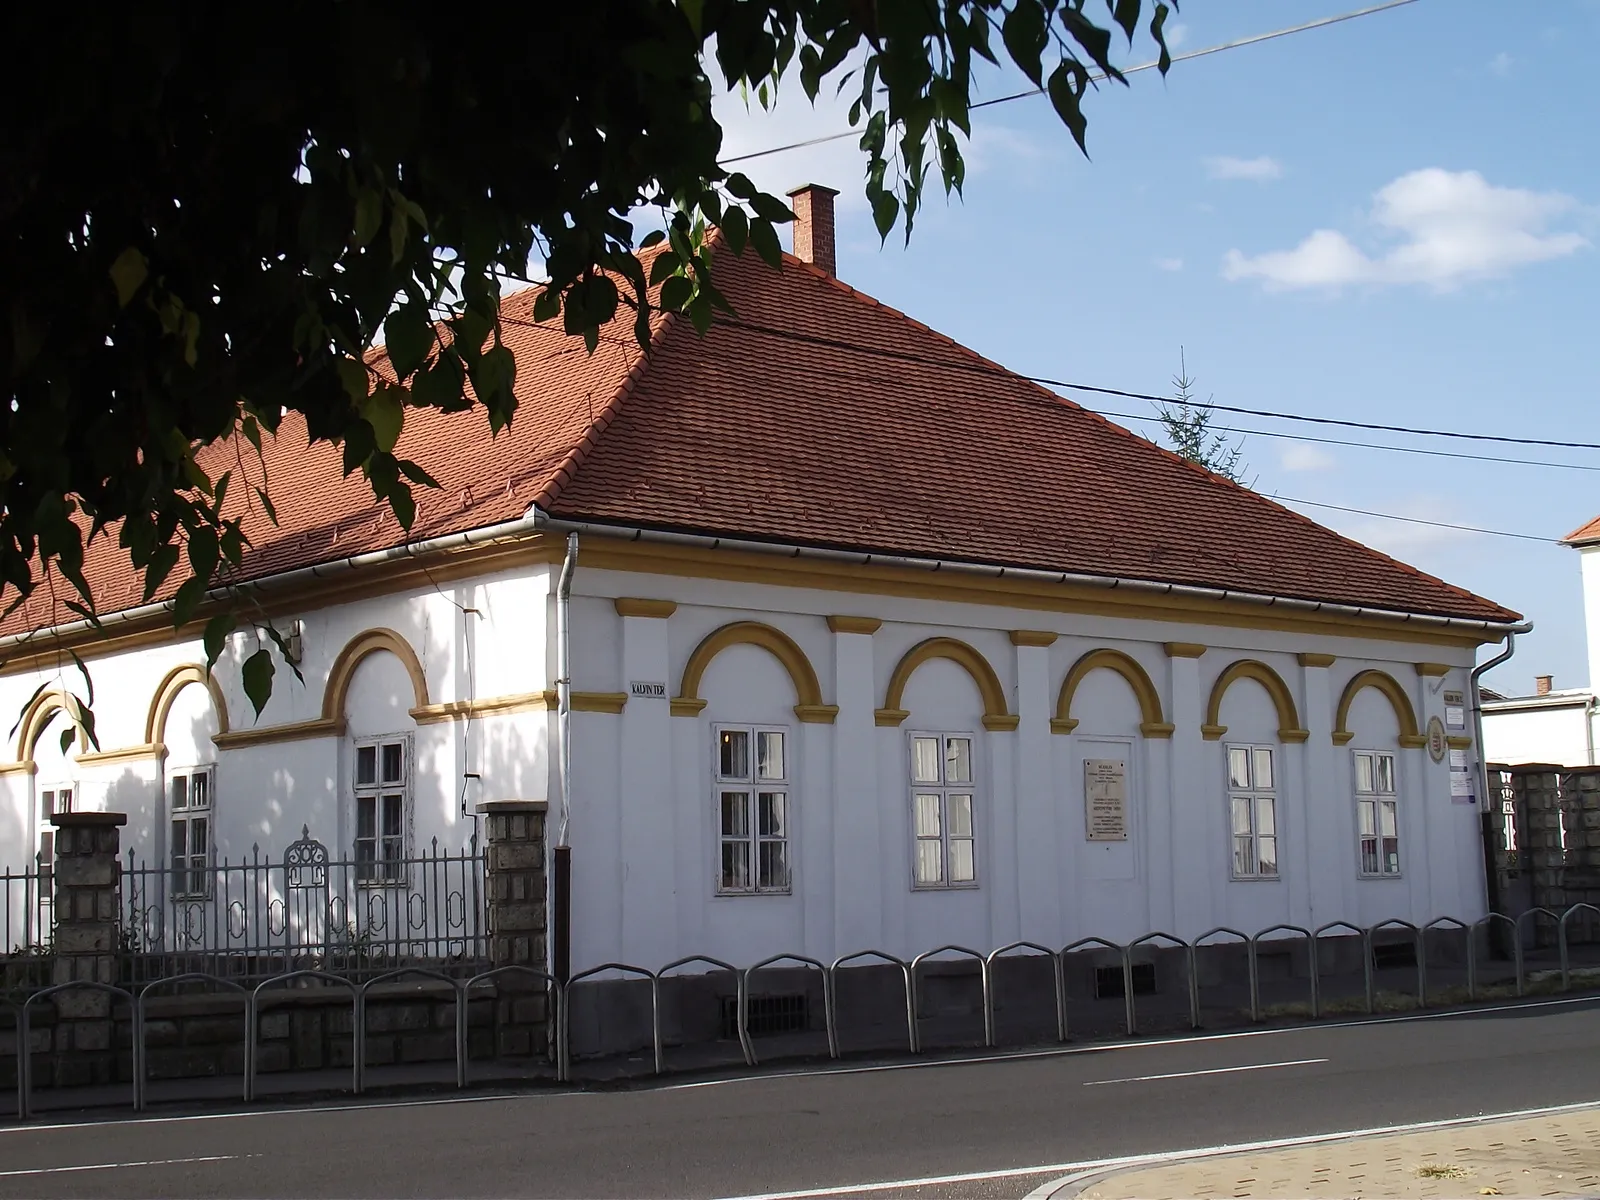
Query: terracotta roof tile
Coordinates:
[819,416]
[1585,534]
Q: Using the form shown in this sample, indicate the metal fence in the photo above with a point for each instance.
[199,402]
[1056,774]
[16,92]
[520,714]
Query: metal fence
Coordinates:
[27,925]
[262,916]
[1578,923]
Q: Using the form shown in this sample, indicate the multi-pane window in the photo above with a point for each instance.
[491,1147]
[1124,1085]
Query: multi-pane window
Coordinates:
[189,822]
[1253,811]
[1377,814]
[752,810]
[383,808]
[945,853]
[53,798]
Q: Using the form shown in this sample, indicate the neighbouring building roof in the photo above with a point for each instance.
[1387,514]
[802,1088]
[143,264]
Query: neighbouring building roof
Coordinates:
[816,416]
[1584,535]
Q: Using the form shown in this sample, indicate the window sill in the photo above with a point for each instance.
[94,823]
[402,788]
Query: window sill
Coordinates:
[1255,879]
[1365,878]
[945,887]
[753,895]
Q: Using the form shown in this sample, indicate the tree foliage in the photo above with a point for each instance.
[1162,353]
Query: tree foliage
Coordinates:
[1188,426]
[209,214]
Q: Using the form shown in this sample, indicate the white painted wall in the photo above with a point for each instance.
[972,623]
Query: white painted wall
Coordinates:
[643,827]
[1539,730]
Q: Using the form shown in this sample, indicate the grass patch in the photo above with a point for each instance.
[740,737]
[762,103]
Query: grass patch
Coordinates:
[1442,1171]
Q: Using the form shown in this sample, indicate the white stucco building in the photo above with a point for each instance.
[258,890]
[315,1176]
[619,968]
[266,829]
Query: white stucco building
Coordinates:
[1554,725]
[872,644]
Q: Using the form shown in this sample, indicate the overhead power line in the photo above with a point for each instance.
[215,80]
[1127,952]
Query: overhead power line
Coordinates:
[1365,512]
[1100,77]
[978,366]
[1328,441]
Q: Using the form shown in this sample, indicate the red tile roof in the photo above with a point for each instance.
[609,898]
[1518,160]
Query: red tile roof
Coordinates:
[816,416]
[1585,534]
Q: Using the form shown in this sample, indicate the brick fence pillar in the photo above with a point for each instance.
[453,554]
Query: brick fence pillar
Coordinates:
[518,925]
[87,879]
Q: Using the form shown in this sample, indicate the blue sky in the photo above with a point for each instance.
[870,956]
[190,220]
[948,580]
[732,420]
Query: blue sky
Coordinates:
[1396,220]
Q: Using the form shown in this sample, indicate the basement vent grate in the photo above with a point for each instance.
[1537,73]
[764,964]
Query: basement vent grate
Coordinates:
[1108,981]
[1393,954]
[768,1015]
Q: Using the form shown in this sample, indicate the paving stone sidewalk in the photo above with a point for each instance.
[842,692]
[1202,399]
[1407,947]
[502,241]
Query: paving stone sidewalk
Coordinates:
[1557,1155]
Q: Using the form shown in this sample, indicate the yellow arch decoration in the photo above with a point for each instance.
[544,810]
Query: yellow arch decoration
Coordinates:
[1289,729]
[43,707]
[357,649]
[1152,722]
[155,724]
[1410,735]
[808,692]
[996,717]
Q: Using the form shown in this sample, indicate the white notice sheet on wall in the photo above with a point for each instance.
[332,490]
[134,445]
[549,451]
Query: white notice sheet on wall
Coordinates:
[1105,799]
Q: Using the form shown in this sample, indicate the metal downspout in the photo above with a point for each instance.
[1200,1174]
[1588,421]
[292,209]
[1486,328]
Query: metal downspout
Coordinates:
[562,942]
[1491,873]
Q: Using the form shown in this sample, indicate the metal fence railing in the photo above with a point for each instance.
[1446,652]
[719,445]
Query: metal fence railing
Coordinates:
[262,916]
[27,925]
[1316,947]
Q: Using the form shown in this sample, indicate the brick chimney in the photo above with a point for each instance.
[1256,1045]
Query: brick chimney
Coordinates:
[813,226]
[1542,684]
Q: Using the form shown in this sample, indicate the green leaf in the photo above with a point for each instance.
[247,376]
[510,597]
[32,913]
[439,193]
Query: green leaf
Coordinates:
[1158,24]
[83,670]
[283,649]
[256,674]
[353,376]
[675,293]
[369,215]
[158,568]
[1025,36]
[266,504]
[885,208]
[187,599]
[408,336]
[216,636]
[694,12]
[666,264]
[739,184]
[765,240]
[252,432]
[37,692]
[128,274]
[386,413]
[654,238]
[1126,14]
[736,228]
[1066,85]
[67,736]
[416,474]
[770,208]
[547,304]
[403,504]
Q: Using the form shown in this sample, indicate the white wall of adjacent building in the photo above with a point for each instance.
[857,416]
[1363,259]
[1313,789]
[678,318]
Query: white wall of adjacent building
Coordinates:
[1562,726]
[647,858]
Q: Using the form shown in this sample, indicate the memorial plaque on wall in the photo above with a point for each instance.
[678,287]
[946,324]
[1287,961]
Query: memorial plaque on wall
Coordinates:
[1105,799]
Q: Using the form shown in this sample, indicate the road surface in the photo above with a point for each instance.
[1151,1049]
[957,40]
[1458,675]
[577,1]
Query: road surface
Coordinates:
[998,1126]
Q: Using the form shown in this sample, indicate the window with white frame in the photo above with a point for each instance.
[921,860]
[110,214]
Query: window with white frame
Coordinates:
[189,824]
[53,798]
[1377,814]
[945,851]
[1253,811]
[383,808]
[752,789]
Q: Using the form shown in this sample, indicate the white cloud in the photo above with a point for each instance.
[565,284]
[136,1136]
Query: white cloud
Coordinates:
[1452,227]
[1177,35]
[1301,456]
[1500,64]
[1170,264]
[1256,170]
[1405,539]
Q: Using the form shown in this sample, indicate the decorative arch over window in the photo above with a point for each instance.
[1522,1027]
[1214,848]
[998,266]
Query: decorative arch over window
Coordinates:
[809,707]
[996,717]
[1410,735]
[41,709]
[155,724]
[1289,729]
[356,650]
[1152,723]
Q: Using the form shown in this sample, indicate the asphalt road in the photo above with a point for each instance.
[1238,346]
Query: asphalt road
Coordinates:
[1026,1118]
